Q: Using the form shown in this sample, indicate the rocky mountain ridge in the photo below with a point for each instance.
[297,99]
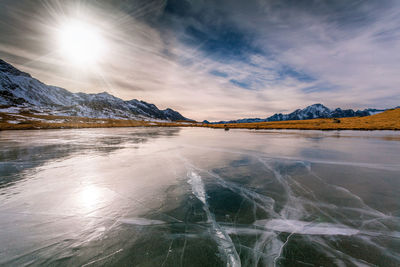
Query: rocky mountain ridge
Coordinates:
[20,89]
[311,112]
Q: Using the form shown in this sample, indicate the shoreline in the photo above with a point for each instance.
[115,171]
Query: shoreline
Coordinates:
[174,125]
[385,121]
[239,128]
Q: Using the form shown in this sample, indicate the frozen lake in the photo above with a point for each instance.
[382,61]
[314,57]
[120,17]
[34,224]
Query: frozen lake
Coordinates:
[199,197]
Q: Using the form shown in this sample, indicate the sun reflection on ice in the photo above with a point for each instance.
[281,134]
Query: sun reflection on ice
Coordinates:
[90,197]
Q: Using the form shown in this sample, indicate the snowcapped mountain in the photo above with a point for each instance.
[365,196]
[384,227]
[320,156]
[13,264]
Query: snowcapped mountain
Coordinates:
[311,112]
[20,89]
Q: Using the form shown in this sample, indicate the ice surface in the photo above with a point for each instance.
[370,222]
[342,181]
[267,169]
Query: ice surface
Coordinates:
[199,197]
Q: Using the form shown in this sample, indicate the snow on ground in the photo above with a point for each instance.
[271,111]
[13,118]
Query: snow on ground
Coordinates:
[54,121]
[14,122]
[12,110]
[375,112]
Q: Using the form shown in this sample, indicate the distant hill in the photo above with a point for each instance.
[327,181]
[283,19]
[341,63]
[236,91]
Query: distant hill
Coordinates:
[20,90]
[311,112]
[387,120]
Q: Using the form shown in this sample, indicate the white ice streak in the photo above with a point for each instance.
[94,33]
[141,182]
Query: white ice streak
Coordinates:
[225,243]
[197,186]
[103,258]
[308,228]
[140,221]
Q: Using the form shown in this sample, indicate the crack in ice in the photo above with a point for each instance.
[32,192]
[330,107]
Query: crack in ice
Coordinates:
[225,243]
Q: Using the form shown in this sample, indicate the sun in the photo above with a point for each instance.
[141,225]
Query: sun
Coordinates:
[81,43]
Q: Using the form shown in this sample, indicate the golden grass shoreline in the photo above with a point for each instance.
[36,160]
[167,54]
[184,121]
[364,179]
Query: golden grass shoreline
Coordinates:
[388,120]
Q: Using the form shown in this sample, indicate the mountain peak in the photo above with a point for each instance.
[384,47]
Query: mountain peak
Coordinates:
[318,106]
[10,69]
[105,93]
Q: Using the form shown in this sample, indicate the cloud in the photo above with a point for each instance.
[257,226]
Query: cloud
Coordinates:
[350,49]
[220,59]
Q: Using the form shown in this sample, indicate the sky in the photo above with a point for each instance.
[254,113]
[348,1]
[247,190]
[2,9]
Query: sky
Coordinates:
[216,59]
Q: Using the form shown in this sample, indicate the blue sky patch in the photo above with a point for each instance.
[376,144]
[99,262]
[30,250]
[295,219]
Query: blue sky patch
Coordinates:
[219,73]
[241,84]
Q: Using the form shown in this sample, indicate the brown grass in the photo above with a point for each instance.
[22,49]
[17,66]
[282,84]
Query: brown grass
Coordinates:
[388,120]
[31,121]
